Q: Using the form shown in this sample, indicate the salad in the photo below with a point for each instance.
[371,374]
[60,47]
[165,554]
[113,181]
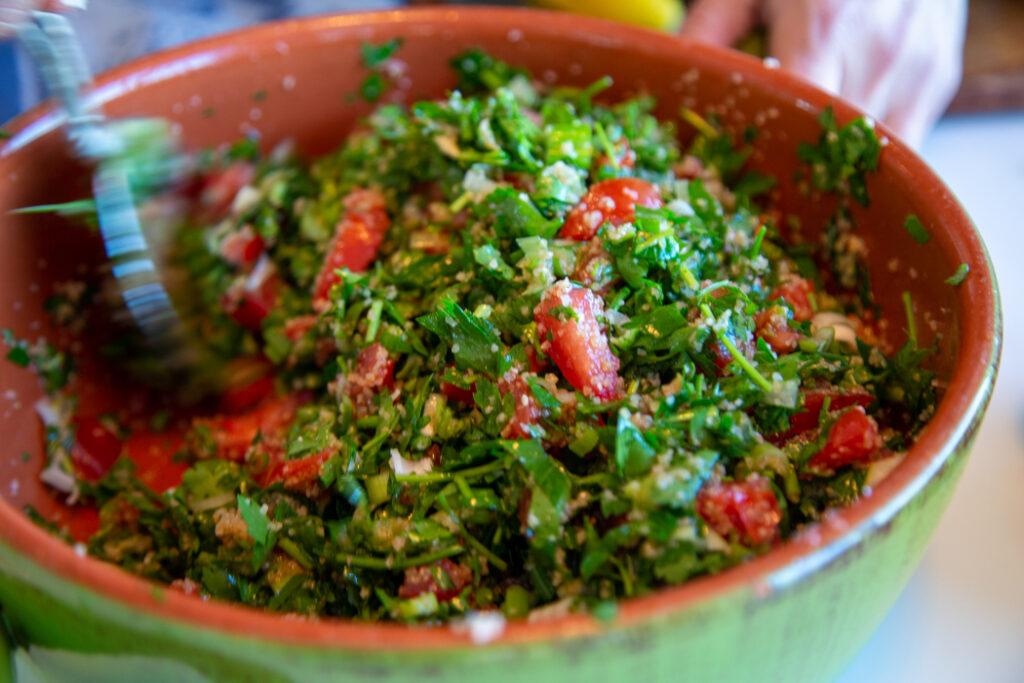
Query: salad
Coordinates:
[512,350]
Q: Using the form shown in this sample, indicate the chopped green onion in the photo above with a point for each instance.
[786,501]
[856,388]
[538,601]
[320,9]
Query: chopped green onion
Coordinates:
[908,307]
[916,229]
[959,276]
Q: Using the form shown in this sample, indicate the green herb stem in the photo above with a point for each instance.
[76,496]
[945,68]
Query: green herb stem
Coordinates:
[468,473]
[380,563]
[606,143]
[737,355]
[468,537]
[908,306]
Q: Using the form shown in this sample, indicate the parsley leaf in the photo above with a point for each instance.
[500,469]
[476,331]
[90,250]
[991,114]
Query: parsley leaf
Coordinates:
[473,341]
[633,454]
[375,55]
[255,519]
[843,156]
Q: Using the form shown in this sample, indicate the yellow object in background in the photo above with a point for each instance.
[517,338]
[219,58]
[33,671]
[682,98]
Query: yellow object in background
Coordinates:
[666,15]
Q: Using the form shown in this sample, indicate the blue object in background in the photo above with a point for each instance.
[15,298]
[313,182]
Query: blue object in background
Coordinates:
[10,103]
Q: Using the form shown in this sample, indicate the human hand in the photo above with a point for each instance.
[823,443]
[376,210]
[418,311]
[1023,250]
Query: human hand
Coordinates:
[13,13]
[899,60]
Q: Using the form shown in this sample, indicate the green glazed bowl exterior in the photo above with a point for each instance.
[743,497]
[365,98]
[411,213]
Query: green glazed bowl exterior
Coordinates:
[798,613]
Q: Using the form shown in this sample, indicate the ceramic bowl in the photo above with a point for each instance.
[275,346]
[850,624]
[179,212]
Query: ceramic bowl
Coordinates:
[798,613]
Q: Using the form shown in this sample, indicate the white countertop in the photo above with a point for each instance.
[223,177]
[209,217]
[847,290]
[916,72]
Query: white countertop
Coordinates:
[961,618]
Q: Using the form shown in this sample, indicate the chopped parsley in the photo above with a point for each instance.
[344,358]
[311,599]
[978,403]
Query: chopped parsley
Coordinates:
[916,229]
[959,275]
[489,389]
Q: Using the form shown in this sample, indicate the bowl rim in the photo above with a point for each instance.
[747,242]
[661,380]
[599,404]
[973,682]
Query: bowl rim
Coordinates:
[955,421]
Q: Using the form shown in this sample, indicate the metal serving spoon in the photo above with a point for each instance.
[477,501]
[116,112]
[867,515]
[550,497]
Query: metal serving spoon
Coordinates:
[51,41]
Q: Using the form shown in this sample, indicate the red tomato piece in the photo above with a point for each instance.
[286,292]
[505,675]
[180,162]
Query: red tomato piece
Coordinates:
[356,239]
[795,291]
[852,438]
[457,393]
[296,328]
[814,399]
[220,187]
[429,578]
[249,300]
[594,266]
[721,355]
[153,455]
[241,398]
[609,201]
[232,434]
[773,327]
[374,370]
[527,410]
[574,340]
[243,247]
[297,475]
[82,522]
[537,364]
[623,153]
[96,448]
[747,509]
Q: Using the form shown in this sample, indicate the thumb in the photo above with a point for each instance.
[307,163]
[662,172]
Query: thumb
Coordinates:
[722,22]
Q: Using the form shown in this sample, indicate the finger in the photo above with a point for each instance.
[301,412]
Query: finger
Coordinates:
[63,5]
[17,12]
[11,17]
[807,47]
[722,22]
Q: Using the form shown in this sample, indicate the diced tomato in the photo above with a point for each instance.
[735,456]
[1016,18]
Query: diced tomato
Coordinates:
[747,509]
[232,434]
[82,522]
[623,153]
[689,167]
[796,291]
[297,475]
[220,187]
[527,410]
[575,341]
[96,448]
[296,328]
[594,266]
[814,399]
[242,248]
[524,182]
[721,355]
[356,239]
[153,455]
[773,326]
[444,578]
[249,300]
[852,438]
[537,364]
[374,370]
[241,398]
[457,393]
[609,201]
